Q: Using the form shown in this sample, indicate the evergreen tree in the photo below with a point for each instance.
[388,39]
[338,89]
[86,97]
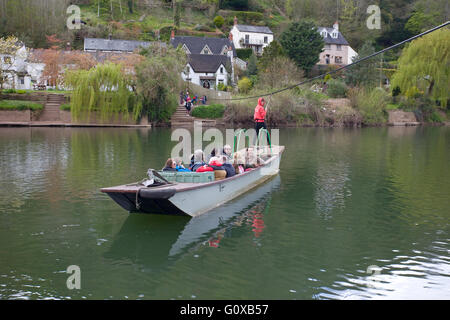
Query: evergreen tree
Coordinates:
[303,44]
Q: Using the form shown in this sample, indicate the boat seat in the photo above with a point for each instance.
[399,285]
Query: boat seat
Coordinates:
[193,177]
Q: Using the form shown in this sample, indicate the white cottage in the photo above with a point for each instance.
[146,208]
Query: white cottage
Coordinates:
[19,72]
[254,37]
[210,60]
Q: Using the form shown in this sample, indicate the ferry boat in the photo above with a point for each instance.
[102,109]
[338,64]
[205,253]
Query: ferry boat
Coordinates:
[193,198]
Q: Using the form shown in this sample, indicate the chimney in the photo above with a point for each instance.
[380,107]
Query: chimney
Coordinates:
[172,34]
[336,26]
[235,20]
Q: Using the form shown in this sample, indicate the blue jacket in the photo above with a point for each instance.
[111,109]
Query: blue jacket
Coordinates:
[181,169]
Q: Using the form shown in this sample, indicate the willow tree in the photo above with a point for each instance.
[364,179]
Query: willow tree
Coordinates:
[104,88]
[425,66]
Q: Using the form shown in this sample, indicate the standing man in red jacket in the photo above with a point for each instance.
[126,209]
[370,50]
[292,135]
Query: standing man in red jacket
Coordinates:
[260,116]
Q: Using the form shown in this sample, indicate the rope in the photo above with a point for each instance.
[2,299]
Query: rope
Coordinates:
[341,68]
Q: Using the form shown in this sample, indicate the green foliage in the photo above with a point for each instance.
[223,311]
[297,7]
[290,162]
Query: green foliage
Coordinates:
[252,67]
[20,105]
[371,103]
[104,88]
[273,50]
[424,65]
[244,85]
[363,74]
[65,107]
[234,4]
[212,111]
[219,21]
[158,81]
[244,53]
[336,88]
[244,17]
[177,14]
[221,87]
[303,44]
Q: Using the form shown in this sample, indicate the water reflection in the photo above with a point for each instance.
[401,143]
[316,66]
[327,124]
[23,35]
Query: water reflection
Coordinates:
[157,241]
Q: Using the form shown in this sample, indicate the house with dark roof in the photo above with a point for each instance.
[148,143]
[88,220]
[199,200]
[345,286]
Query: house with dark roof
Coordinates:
[337,50]
[210,60]
[254,37]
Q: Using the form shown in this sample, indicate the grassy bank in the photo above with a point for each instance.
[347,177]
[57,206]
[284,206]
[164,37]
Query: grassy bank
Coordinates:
[20,105]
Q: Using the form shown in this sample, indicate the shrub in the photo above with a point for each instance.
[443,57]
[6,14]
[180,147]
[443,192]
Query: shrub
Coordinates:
[244,85]
[336,88]
[219,21]
[9,91]
[221,87]
[371,104]
[65,107]
[212,111]
[21,91]
[244,54]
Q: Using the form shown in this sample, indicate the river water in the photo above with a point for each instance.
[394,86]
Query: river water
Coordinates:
[353,214]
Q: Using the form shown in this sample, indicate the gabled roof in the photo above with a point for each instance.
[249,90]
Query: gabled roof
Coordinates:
[329,39]
[115,45]
[254,29]
[208,63]
[196,44]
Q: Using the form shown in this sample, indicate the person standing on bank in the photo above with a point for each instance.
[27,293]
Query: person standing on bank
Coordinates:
[260,116]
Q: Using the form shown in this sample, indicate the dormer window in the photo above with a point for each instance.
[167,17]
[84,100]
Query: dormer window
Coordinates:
[185,48]
[206,50]
[224,50]
[323,34]
[334,35]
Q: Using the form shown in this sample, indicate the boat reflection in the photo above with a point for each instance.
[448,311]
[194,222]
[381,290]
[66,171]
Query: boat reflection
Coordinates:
[155,241]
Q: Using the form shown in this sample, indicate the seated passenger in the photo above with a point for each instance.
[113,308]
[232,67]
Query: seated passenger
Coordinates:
[198,160]
[238,163]
[228,166]
[227,152]
[180,167]
[219,171]
[170,165]
[214,153]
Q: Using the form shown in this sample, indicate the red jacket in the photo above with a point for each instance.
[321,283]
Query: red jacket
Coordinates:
[204,169]
[260,112]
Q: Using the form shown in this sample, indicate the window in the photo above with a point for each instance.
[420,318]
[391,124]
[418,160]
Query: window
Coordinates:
[266,39]
[247,38]
[334,35]
[323,34]
[327,47]
[7,59]
[188,70]
[338,47]
[338,59]
[221,69]
[206,50]
[22,80]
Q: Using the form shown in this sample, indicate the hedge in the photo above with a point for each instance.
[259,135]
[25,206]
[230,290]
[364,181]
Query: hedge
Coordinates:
[212,111]
[20,105]
[244,54]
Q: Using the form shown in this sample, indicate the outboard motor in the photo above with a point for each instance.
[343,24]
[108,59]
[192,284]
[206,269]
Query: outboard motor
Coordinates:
[151,179]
